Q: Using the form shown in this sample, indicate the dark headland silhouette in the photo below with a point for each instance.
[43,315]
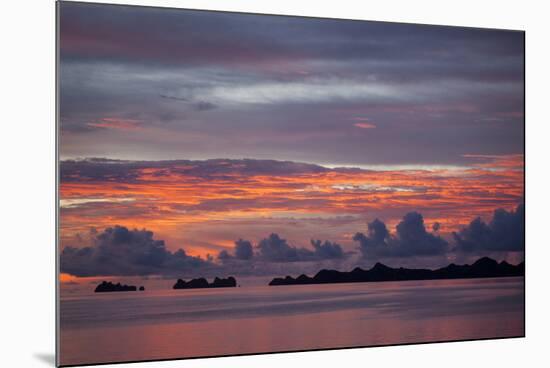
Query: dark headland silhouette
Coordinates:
[482,268]
[107,286]
[201,283]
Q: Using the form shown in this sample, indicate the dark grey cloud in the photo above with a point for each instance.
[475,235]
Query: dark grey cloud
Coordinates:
[205,106]
[276,249]
[121,171]
[410,239]
[119,251]
[327,249]
[285,87]
[224,255]
[505,232]
[147,35]
[242,250]
[176,98]
[92,169]
[196,105]
[376,240]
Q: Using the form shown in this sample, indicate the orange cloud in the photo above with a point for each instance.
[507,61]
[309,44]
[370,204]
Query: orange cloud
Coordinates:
[205,214]
[67,278]
[496,162]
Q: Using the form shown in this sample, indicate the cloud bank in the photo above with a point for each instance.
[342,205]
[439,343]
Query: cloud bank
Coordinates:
[276,249]
[411,239]
[119,251]
[203,81]
[505,232]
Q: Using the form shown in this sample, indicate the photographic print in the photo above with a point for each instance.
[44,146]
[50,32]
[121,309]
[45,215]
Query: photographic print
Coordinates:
[234,183]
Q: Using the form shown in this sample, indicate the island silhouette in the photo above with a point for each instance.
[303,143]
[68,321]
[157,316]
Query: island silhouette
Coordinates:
[107,286]
[483,268]
[202,283]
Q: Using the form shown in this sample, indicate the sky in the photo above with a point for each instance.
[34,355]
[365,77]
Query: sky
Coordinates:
[265,144]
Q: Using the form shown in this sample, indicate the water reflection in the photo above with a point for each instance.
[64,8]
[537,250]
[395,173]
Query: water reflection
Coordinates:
[175,324]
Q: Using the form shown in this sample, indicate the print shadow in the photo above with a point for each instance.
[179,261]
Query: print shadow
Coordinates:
[47,358]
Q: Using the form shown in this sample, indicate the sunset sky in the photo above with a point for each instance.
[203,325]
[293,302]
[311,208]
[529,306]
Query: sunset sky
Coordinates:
[191,130]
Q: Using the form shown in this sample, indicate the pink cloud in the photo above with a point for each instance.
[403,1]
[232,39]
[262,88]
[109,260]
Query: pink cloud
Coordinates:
[365,125]
[116,123]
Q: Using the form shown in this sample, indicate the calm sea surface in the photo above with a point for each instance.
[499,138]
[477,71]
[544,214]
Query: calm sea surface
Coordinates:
[165,324]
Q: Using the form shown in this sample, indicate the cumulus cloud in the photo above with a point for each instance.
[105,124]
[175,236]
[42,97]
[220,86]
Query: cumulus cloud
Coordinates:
[327,250]
[410,239]
[224,255]
[242,250]
[276,249]
[504,233]
[119,251]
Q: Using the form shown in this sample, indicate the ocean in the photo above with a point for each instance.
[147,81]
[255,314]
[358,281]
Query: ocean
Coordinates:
[169,324]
